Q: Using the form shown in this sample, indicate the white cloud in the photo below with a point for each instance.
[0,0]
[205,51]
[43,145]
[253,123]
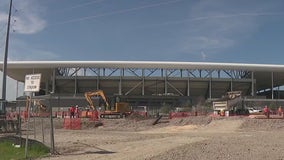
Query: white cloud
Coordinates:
[27,19]
[29,24]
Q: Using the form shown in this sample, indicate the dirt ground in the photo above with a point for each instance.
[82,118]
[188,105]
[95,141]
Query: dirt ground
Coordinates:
[197,138]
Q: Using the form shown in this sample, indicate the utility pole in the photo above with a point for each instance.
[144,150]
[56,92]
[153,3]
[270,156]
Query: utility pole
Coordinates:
[52,150]
[3,103]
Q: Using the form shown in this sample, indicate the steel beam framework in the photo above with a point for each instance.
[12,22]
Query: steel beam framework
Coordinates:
[166,75]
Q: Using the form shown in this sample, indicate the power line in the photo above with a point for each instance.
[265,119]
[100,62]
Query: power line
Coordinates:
[117,12]
[13,16]
[80,5]
[2,34]
[2,43]
[2,29]
[256,14]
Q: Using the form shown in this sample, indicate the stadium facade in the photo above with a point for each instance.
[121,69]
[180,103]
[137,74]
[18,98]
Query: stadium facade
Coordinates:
[153,82]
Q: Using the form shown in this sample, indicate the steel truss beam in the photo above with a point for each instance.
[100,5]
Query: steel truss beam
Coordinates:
[143,74]
[136,72]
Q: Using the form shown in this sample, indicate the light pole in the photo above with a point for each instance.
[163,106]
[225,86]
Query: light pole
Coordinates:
[3,102]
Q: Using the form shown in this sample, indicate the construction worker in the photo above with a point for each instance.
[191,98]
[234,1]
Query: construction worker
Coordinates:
[72,111]
[77,111]
[280,112]
[266,111]
[222,113]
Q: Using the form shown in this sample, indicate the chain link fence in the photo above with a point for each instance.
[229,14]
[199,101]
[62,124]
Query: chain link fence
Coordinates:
[27,121]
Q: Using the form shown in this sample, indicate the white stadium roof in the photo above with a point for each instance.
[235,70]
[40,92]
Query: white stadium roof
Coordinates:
[144,64]
[18,69]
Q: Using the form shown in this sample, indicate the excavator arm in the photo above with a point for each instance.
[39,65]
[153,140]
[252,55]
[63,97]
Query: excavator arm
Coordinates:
[37,103]
[89,95]
[28,101]
[41,106]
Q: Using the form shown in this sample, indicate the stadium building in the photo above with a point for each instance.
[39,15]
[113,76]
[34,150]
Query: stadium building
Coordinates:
[151,83]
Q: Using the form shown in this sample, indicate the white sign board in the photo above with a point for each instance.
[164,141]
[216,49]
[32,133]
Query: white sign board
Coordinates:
[32,82]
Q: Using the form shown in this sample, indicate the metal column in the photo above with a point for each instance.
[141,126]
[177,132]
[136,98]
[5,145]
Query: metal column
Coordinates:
[46,87]
[76,84]
[252,83]
[120,82]
[53,81]
[272,85]
[210,86]
[188,86]
[143,82]
[231,84]
[166,83]
[98,78]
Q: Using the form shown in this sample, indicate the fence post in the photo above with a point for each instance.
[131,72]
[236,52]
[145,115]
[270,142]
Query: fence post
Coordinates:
[51,127]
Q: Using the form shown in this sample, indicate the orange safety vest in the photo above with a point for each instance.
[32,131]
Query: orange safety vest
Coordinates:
[72,109]
[265,110]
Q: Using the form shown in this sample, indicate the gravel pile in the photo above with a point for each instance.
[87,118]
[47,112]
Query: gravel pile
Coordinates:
[259,139]
[198,120]
[262,124]
[229,148]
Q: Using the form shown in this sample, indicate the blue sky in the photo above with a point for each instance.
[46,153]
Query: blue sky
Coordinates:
[153,30]
[166,30]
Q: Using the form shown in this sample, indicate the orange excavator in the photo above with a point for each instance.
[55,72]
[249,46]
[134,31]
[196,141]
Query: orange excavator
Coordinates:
[39,107]
[119,110]
[89,95]
[37,103]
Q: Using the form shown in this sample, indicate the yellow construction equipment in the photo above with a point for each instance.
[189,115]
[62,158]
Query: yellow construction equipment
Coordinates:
[89,95]
[119,110]
[39,106]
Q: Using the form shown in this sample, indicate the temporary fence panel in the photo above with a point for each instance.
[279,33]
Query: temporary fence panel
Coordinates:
[72,123]
[179,114]
[94,116]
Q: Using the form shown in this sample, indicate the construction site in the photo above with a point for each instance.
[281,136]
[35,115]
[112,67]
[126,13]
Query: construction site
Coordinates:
[178,112]
[132,80]
[185,136]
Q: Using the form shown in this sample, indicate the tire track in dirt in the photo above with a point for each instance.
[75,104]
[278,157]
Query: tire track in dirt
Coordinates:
[170,137]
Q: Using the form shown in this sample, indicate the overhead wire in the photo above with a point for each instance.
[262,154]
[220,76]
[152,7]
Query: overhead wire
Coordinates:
[2,34]
[80,5]
[72,7]
[117,12]
[214,17]
[14,20]
[3,29]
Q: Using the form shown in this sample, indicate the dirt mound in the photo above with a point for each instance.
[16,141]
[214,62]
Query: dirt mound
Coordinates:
[129,124]
[198,120]
[126,124]
[263,124]
[136,116]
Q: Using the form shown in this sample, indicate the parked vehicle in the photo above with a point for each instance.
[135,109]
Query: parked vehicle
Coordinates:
[254,110]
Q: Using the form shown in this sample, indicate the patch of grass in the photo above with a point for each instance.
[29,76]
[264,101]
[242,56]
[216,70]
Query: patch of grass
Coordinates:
[9,152]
